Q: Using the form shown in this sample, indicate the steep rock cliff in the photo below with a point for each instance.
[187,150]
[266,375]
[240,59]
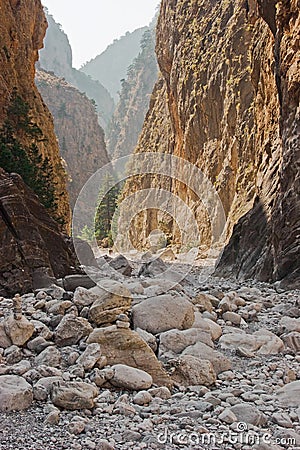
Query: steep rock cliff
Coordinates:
[128,118]
[56,56]
[33,250]
[23,27]
[81,139]
[226,100]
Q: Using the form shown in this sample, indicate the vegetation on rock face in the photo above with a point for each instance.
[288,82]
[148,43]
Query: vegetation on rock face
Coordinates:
[127,121]
[27,161]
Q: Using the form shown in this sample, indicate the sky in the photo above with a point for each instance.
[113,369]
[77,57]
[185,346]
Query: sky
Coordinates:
[91,25]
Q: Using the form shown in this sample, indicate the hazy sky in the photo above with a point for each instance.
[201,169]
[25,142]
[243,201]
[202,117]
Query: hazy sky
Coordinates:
[92,25]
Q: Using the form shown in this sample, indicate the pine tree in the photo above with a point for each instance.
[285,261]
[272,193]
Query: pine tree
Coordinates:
[108,198]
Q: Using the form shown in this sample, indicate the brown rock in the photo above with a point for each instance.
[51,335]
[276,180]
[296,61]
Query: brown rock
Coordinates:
[71,329]
[236,119]
[112,299]
[5,341]
[192,371]
[219,361]
[15,393]
[124,346]
[19,331]
[73,395]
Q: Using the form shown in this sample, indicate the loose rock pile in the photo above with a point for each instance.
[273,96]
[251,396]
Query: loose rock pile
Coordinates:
[131,363]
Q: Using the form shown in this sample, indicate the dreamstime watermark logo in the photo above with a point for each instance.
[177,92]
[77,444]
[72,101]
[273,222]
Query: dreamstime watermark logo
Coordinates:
[168,171]
[241,436]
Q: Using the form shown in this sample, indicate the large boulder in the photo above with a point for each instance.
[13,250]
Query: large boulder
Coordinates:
[176,341]
[163,313]
[112,299]
[192,371]
[51,356]
[131,378]
[71,329]
[15,393]
[289,395]
[262,342]
[73,395]
[248,414]
[18,330]
[204,352]
[124,346]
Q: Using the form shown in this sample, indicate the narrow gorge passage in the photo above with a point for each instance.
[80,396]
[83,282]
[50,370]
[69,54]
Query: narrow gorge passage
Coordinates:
[149,223]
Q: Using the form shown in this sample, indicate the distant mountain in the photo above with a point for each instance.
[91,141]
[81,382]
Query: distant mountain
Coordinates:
[110,67]
[127,121]
[56,57]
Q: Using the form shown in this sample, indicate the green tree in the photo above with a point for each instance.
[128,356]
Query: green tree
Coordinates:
[108,199]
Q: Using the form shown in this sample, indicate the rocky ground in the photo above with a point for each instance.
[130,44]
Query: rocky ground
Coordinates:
[149,360]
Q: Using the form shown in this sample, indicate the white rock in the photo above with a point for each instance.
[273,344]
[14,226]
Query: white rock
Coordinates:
[163,313]
[142,398]
[227,416]
[15,393]
[130,378]
[248,414]
[289,395]
[71,329]
[287,324]
[84,297]
[19,331]
[262,342]
[176,341]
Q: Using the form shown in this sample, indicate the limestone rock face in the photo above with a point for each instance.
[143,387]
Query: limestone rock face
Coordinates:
[124,346]
[15,393]
[226,101]
[80,137]
[23,26]
[31,240]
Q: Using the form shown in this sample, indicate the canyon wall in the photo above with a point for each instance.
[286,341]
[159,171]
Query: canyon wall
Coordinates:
[81,139]
[127,121]
[23,27]
[227,100]
[33,249]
